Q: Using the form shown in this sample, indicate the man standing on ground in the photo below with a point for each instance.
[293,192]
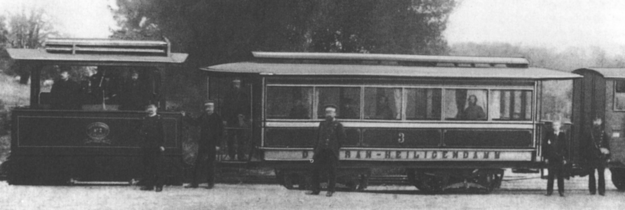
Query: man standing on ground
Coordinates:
[211,127]
[330,136]
[597,155]
[556,153]
[153,147]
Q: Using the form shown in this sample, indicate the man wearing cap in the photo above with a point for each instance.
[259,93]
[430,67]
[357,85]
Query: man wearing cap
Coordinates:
[64,92]
[597,154]
[211,131]
[153,145]
[330,136]
[236,113]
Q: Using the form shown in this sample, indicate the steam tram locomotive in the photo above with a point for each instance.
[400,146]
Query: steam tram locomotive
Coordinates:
[449,122]
[93,137]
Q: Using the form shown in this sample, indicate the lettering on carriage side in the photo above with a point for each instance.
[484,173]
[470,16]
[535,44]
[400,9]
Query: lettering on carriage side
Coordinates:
[415,154]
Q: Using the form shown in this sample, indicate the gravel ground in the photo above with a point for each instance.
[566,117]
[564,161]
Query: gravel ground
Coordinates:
[519,191]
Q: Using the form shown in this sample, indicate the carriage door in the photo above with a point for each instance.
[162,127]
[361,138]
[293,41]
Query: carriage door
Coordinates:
[589,96]
[235,98]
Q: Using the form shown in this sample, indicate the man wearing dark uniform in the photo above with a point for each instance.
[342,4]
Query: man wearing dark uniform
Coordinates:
[556,153]
[153,145]
[211,126]
[236,113]
[64,93]
[330,137]
[597,155]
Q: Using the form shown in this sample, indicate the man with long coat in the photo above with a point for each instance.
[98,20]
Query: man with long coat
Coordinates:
[556,153]
[597,155]
[330,137]
[211,132]
[153,146]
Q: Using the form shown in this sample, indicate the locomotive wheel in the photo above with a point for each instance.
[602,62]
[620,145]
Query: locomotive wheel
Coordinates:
[618,178]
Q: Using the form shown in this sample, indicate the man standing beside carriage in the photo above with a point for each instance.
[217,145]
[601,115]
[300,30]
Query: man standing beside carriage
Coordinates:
[330,137]
[597,155]
[211,132]
[556,154]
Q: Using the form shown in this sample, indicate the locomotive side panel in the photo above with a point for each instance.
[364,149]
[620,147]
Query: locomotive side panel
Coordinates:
[57,147]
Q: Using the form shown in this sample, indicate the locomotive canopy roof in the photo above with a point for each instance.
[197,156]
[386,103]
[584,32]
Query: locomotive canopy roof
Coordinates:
[611,73]
[353,64]
[100,50]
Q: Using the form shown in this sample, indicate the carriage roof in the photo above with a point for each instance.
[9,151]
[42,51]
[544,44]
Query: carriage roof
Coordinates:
[421,66]
[100,51]
[610,73]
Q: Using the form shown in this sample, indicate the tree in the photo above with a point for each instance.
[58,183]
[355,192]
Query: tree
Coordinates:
[4,41]
[218,31]
[28,29]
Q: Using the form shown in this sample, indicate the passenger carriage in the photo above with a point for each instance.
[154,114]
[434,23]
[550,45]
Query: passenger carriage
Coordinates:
[600,93]
[96,140]
[449,122]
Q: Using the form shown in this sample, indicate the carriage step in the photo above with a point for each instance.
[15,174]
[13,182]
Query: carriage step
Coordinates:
[76,182]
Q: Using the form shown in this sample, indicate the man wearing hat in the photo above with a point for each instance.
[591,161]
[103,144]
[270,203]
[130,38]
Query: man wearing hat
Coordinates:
[236,113]
[153,145]
[211,131]
[330,136]
[64,92]
[597,154]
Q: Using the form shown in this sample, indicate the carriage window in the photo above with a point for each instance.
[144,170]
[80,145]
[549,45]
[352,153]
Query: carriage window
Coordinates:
[383,103]
[289,102]
[465,104]
[346,98]
[511,105]
[423,104]
[619,96]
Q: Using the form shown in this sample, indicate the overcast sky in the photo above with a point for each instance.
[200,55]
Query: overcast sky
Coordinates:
[551,23]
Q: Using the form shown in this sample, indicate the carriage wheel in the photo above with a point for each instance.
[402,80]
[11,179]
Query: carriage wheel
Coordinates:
[618,178]
[430,183]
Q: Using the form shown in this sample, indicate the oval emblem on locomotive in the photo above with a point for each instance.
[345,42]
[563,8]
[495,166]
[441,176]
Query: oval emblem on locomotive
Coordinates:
[97,132]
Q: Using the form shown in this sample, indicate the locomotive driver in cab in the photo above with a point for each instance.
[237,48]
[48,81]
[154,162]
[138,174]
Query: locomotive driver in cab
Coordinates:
[330,136]
[153,145]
